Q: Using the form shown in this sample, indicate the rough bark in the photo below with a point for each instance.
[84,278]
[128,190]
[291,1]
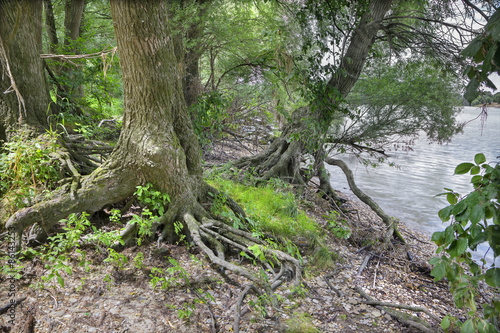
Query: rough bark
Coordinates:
[292,142]
[24,97]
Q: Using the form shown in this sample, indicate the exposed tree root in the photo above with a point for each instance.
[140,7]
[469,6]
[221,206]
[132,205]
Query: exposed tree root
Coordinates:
[282,157]
[388,221]
[108,185]
[103,188]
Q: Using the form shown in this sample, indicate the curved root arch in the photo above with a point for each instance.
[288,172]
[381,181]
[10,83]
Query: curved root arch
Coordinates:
[391,223]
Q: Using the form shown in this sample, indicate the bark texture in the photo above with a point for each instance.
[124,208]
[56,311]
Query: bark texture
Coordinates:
[24,97]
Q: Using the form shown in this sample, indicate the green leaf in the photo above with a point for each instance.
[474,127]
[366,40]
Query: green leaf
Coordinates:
[475,170]
[472,90]
[459,208]
[449,234]
[477,214]
[439,271]
[463,168]
[461,247]
[480,238]
[444,214]
[479,158]
[476,179]
[60,280]
[452,198]
[438,237]
[492,277]
[445,323]
[473,48]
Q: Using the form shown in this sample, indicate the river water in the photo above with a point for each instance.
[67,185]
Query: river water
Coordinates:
[408,192]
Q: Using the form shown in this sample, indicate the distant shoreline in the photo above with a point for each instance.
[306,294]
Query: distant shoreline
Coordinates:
[491,105]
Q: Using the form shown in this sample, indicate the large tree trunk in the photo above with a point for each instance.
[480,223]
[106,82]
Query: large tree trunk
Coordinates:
[24,97]
[157,145]
[304,134]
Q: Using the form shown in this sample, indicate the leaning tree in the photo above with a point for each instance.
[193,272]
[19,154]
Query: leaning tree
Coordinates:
[282,158]
[157,145]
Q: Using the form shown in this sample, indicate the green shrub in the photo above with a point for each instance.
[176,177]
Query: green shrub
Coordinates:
[475,219]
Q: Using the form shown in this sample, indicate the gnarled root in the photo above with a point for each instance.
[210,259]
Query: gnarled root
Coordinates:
[219,233]
[280,160]
[388,221]
[213,237]
[102,189]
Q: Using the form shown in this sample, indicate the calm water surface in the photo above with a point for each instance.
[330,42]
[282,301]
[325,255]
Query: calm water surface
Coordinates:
[408,192]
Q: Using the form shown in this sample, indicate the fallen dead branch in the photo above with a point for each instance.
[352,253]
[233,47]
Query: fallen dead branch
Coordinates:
[404,318]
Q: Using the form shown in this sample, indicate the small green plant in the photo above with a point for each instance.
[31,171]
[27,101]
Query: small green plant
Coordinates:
[186,311]
[153,199]
[139,260]
[116,259]
[338,226]
[475,218]
[301,323]
[178,228]
[55,253]
[116,216]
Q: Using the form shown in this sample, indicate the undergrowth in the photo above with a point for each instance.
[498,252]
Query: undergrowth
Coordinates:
[27,169]
[273,213]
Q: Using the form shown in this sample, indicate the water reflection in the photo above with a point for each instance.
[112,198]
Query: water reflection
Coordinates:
[408,193]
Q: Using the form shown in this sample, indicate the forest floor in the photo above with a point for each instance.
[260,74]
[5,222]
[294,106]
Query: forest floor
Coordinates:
[329,300]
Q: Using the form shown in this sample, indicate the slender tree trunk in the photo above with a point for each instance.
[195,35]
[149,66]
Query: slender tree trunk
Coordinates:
[50,24]
[24,97]
[73,14]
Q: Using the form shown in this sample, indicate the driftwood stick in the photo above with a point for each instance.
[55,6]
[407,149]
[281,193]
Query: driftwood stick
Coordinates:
[405,307]
[404,318]
[363,264]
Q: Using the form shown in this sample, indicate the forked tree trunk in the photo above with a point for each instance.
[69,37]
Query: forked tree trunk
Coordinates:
[24,97]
